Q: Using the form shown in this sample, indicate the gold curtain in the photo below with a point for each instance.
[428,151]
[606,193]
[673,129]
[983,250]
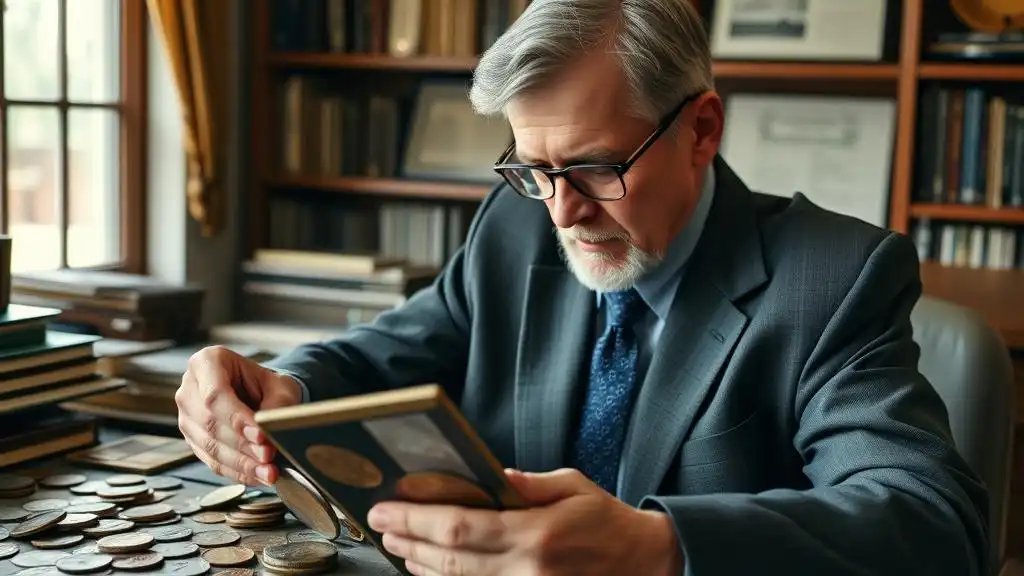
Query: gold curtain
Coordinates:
[194,36]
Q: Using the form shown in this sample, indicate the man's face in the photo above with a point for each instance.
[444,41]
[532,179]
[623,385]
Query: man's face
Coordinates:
[584,118]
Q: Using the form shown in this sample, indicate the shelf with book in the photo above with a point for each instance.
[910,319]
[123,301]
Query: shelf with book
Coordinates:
[971,72]
[390,187]
[961,212]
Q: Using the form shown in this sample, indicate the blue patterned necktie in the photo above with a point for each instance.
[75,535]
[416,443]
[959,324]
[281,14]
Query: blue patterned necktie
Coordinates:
[610,392]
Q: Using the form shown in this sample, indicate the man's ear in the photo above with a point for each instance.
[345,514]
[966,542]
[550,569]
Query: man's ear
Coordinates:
[708,124]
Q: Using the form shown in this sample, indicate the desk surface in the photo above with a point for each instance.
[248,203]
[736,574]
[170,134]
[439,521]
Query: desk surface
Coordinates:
[354,558]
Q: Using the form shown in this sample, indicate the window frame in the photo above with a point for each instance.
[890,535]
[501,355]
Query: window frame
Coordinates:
[132,150]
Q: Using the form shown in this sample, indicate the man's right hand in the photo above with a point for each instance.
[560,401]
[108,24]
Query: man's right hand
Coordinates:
[218,396]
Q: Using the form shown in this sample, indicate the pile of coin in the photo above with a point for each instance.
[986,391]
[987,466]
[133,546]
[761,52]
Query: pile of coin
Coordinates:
[129,522]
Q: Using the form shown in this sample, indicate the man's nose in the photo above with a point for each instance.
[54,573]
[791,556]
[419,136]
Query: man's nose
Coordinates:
[568,207]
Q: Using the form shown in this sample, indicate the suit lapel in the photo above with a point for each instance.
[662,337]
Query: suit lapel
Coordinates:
[700,332]
[551,357]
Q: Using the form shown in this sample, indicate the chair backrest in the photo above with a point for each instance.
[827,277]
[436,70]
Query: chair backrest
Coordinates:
[970,367]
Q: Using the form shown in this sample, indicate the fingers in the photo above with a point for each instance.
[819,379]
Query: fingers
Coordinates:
[216,423]
[427,559]
[447,526]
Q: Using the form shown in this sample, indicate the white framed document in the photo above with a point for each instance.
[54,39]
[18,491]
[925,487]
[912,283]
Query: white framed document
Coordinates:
[798,29]
[836,151]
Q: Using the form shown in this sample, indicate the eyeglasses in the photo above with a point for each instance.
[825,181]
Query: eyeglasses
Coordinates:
[602,182]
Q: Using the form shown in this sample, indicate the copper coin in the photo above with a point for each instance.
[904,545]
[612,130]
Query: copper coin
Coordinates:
[237,572]
[171,520]
[84,563]
[262,504]
[443,488]
[45,504]
[140,561]
[148,513]
[172,550]
[63,480]
[38,523]
[306,503]
[125,480]
[58,542]
[13,483]
[344,466]
[209,517]
[124,543]
[295,555]
[10,514]
[216,538]
[108,527]
[229,556]
[190,567]
[222,496]
[257,542]
[8,549]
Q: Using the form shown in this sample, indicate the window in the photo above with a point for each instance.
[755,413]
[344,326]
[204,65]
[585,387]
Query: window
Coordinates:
[72,97]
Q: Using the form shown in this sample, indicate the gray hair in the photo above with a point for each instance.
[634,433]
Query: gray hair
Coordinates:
[662,45]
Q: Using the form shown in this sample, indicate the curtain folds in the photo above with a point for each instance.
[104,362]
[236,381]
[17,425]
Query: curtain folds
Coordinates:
[194,35]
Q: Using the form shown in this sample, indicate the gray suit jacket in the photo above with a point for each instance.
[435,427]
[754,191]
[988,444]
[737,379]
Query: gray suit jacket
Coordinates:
[783,423]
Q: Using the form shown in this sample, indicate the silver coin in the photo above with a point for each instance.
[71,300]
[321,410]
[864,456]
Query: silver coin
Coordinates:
[174,550]
[35,558]
[170,533]
[163,483]
[45,504]
[85,563]
[190,567]
[8,549]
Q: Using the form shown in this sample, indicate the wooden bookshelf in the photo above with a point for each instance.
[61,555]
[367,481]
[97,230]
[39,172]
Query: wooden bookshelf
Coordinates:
[394,187]
[961,213]
[972,72]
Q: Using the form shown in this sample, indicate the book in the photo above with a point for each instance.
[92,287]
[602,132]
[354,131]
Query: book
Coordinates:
[410,444]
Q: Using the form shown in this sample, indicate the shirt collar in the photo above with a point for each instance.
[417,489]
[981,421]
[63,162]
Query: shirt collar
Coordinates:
[658,287]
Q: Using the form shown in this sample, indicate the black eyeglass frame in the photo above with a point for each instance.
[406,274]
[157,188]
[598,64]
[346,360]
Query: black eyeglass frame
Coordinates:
[619,169]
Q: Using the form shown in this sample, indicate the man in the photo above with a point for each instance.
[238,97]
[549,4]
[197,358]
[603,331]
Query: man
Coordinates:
[688,377]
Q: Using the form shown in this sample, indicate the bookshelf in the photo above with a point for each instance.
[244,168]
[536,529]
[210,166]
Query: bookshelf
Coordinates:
[905,74]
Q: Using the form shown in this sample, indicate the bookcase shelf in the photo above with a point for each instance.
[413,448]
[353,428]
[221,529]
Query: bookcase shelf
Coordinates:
[958,212]
[393,187]
[302,60]
[971,72]
[805,70]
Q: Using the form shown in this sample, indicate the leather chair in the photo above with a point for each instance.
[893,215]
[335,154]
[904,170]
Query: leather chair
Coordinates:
[969,365]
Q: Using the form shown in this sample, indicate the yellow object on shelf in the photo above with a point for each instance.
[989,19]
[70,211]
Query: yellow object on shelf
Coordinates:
[990,15]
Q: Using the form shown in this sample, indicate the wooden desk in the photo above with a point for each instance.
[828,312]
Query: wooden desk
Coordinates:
[354,558]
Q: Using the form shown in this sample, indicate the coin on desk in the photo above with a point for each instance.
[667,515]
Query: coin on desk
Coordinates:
[209,517]
[139,561]
[148,513]
[257,542]
[125,480]
[77,521]
[88,488]
[58,542]
[122,493]
[254,520]
[174,550]
[11,514]
[190,567]
[229,556]
[163,483]
[186,508]
[44,504]
[222,496]
[125,543]
[37,558]
[38,523]
[216,538]
[15,486]
[8,549]
[100,509]
[85,563]
[63,480]
[108,527]
[170,533]
[307,504]
[237,572]
[300,556]
[4,533]
[262,504]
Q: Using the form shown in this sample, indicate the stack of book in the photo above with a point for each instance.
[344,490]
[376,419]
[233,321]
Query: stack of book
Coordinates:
[114,304]
[39,369]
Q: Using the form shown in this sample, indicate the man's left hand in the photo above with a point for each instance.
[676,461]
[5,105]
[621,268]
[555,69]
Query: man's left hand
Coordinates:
[571,527]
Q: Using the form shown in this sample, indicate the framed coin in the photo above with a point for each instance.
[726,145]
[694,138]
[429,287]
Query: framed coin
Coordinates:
[344,466]
[306,503]
[443,488]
